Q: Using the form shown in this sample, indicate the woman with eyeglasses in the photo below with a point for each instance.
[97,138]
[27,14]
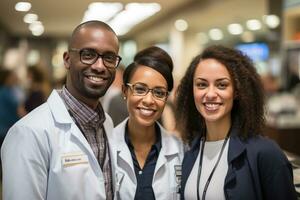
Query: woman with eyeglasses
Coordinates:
[147,159]
[221,115]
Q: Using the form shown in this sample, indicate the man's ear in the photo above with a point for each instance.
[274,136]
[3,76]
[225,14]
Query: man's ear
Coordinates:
[66,58]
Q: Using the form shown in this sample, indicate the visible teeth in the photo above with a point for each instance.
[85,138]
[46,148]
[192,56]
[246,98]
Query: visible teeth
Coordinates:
[211,106]
[146,112]
[94,78]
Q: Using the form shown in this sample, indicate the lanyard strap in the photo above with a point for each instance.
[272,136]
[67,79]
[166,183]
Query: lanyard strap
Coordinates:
[212,172]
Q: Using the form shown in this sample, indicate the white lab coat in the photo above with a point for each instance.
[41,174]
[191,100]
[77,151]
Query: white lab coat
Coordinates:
[164,180]
[45,156]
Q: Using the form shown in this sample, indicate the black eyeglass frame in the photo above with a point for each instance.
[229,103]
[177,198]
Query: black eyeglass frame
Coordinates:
[119,58]
[131,86]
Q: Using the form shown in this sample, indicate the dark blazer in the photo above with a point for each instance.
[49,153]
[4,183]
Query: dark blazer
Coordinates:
[257,169]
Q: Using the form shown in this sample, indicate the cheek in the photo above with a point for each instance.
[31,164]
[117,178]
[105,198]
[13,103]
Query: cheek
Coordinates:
[197,96]
[198,100]
[132,102]
[161,106]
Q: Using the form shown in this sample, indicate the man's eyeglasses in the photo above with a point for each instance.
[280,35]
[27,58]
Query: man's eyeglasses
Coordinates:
[90,56]
[140,89]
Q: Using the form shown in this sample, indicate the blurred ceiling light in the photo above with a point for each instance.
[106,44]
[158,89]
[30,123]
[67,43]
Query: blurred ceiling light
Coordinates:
[133,14]
[253,24]
[215,34]
[102,11]
[235,29]
[181,25]
[36,28]
[30,18]
[23,6]
[248,36]
[202,38]
[272,21]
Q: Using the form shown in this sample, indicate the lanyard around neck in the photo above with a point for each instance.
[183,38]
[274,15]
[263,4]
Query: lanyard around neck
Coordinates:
[212,172]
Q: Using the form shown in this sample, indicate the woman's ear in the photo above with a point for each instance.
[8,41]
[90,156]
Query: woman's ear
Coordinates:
[124,92]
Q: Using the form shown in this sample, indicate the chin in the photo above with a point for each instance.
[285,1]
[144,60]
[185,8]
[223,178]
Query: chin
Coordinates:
[146,122]
[95,93]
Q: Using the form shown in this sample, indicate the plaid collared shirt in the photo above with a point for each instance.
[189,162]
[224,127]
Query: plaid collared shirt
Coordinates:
[90,122]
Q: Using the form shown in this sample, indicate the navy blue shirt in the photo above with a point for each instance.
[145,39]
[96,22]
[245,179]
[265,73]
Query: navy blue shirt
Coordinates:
[144,176]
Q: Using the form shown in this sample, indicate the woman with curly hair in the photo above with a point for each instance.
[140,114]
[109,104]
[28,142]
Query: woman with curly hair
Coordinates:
[220,104]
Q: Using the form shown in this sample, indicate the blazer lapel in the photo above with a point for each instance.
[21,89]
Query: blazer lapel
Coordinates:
[188,162]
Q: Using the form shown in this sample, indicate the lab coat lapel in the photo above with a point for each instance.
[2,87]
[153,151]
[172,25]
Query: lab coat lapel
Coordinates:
[124,159]
[62,116]
[169,148]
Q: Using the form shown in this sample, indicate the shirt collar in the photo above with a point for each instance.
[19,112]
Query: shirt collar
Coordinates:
[81,111]
[157,144]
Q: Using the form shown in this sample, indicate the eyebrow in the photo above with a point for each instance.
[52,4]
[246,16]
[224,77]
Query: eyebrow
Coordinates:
[218,80]
[144,84]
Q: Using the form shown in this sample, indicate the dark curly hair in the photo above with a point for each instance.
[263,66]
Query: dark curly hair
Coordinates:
[155,58]
[248,106]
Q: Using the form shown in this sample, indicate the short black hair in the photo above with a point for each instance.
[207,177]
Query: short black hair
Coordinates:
[91,24]
[155,58]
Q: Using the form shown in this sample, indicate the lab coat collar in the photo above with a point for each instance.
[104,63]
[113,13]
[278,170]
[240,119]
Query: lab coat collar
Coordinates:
[170,147]
[169,142]
[58,109]
[62,116]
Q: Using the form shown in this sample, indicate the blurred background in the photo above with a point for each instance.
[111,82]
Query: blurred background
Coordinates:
[34,34]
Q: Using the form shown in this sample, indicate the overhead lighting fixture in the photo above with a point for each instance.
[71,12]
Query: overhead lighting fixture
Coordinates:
[30,18]
[133,14]
[102,11]
[181,25]
[235,29]
[253,24]
[23,6]
[272,21]
[215,34]
[36,28]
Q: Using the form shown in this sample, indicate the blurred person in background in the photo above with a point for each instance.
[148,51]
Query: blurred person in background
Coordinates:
[114,89]
[61,149]
[146,157]
[38,88]
[117,109]
[10,105]
[220,104]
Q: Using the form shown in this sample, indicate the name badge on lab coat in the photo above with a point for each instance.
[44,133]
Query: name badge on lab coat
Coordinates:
[73,158]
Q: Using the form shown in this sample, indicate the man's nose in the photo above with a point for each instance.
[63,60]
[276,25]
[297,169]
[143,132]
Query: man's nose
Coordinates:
[98,65]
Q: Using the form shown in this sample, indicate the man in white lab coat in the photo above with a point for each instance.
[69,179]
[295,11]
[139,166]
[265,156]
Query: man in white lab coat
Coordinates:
[60,150]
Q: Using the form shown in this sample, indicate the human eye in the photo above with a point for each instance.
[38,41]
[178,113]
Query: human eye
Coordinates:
[140,89]
[200,84]
[222,85]
[160,93]
[88,54]
[111,58]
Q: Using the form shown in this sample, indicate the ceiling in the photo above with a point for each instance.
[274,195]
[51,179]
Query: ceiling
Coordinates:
[60,17]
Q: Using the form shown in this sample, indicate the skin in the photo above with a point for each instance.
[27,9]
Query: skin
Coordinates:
[144,111]
[88,83]
[213,96]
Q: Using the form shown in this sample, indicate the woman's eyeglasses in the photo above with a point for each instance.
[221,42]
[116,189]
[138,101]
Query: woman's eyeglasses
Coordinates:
[140,89]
